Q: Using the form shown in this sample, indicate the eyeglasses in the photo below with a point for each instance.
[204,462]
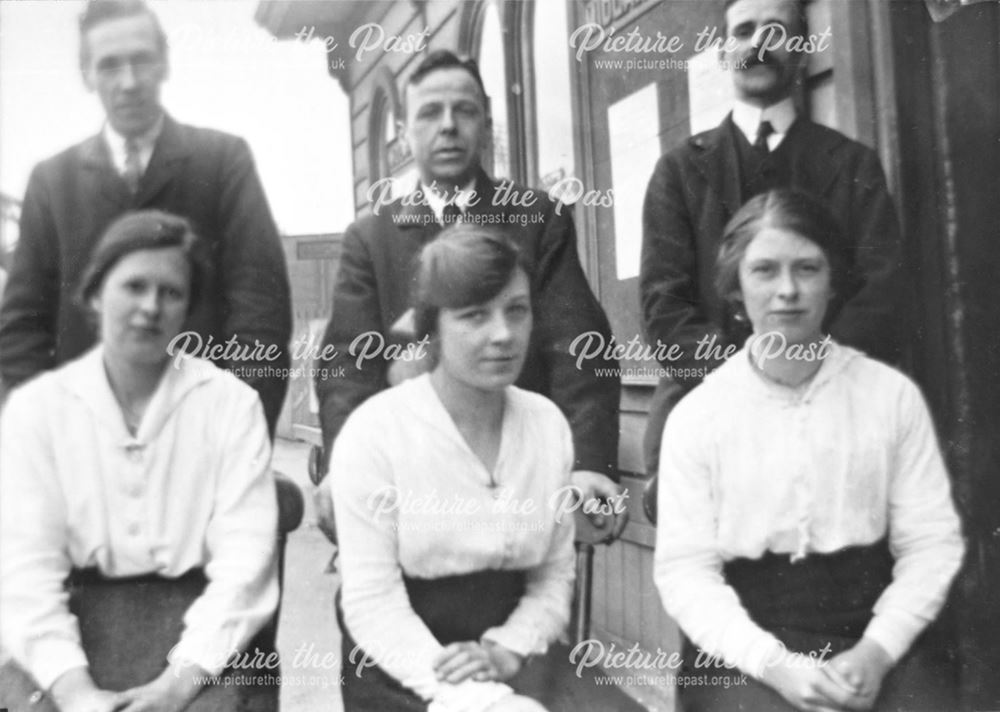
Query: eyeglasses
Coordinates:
[143,66]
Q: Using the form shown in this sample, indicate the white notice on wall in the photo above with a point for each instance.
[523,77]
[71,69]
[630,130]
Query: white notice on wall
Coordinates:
[634,131]
[710,91]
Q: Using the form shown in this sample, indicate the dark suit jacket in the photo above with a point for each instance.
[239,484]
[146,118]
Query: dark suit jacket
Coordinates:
[695,190]
[373,290]
[203,175]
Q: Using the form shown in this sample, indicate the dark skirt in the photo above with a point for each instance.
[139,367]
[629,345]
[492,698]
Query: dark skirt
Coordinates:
[462,608]
[129,625]
[819,606]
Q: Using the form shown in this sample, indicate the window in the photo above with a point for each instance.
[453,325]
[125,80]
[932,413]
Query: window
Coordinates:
[553,103]
[388,155]
[493,68]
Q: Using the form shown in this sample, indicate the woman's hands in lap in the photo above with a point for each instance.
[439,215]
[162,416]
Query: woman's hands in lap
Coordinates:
[476,661]
[516,703]
[93,701]
[75,691]
[861,669]
[172,691]
[814,687]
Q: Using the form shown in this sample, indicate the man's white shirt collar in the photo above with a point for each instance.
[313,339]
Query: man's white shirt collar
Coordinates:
[748,118]
[146,143]
[437,202]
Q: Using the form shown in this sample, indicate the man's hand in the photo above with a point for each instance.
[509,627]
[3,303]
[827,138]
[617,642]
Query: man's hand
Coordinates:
[172,691]
[476,661]
[594,485]
[861,670]
[802,681]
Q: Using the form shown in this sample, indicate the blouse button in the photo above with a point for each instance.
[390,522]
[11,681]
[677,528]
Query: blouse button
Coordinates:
[133,529]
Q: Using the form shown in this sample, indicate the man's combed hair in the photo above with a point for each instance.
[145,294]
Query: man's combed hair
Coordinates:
[98,11]
[446,59]
[801,14]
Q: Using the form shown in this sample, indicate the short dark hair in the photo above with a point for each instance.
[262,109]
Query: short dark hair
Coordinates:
[144,230]
[466,264]
[98,11]
[795,211]
[801,15]
[446,59]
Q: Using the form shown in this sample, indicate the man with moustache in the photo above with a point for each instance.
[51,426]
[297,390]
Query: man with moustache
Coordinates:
[142,158]
[447,126]
[762,144]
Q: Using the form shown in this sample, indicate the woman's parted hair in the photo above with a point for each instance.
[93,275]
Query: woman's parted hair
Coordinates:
[786,209]
[466,264]
[144,230]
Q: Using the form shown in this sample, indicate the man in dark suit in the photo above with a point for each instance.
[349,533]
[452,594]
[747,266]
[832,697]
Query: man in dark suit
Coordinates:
[762,144]
[447,126]
[144,159]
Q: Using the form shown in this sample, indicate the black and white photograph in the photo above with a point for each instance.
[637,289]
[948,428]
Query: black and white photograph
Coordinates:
[499,355]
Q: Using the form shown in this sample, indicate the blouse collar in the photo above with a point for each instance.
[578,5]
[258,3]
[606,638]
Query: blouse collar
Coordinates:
[740,369]
[87,379]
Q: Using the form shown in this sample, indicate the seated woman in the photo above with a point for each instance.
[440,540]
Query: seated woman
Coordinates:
[130,464]
[455,571]
[807,534]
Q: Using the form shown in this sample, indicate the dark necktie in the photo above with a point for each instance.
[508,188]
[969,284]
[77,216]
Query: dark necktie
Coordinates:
[760,143]
[133,166]
[450,215]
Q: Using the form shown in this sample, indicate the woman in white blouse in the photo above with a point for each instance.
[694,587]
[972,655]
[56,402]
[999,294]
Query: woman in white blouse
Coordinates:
[455,570]
[132,464]
[807,534]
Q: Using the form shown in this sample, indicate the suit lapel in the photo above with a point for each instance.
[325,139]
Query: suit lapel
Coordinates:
[719,165]
[484,188]
[109,187]
[415,220]
[170,153]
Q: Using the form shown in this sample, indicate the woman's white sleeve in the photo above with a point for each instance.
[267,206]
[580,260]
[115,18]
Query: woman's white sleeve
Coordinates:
[543,612]
[241,539]
[36,625]
[687,565]
[924,532]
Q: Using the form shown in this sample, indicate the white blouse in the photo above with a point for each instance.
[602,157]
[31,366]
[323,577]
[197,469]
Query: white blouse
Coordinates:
[411,497]
[749,466]
[191,489]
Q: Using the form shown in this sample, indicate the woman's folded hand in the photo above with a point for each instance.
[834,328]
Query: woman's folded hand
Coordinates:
[75,691]
[861,670]
[172,691]
[476,661]
[806,685]
[516,703]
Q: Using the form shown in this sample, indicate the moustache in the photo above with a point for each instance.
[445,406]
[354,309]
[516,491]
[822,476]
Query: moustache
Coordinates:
[757,58]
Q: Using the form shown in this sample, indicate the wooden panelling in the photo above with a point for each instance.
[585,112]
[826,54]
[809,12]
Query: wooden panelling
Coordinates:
[397,19]
[439,14]
[599,590]
[631,431]
[617,585]
[632,561]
